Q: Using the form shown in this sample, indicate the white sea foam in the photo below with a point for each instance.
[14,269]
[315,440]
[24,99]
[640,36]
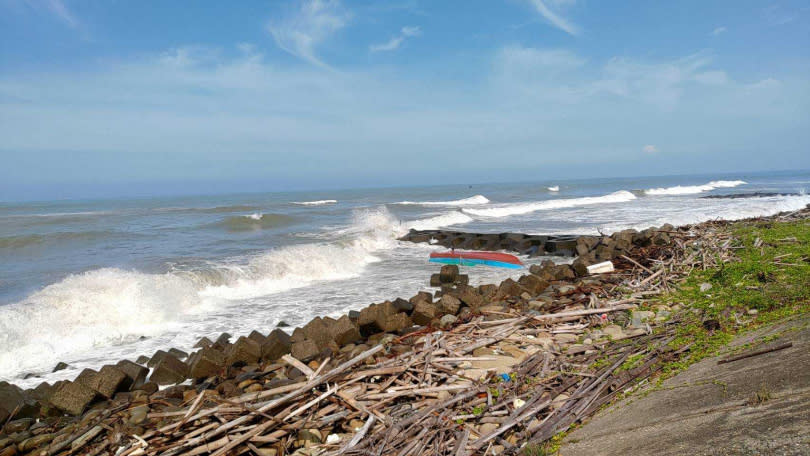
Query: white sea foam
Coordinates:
[83,311]
[315,203]
[554,188]
[255,216]
[107,307]
[525,208]
[471,201]
[692,189]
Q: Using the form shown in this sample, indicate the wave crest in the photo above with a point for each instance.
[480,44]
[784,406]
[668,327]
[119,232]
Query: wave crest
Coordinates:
[314,203]
[692,189]
[471,201]
[525,208]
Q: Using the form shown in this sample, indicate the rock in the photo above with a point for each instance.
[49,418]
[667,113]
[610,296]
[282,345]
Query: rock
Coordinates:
[208,362]
[396,322]
[533,284]
[317,330]
[137,415]
[203,343]
[344,331]
[148,388]
[423,313]
[11,397]
[305,350]
[42,392]
[449,304]
[107,381]
[705,287]
[72,398]
[447,321]
[142,360]
[540,303]
[60,366]
[614,332]
[135,373]
[421,296]
[276,345]
[156,358]
[179,354]
[488,291]
[752,311]
[471,298]
[487,428]
[508,288]
[435,280]
[373,317]
[402,305]
[245,350]
[449,273]
[169,371]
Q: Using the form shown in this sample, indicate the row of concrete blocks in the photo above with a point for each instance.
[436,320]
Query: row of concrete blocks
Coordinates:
[525,244]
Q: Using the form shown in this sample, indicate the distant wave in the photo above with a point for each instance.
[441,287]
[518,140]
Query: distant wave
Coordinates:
[691,189]
[211,210]
[554,188]
[525,208]
[315,203]
[471,201]
[28,240]
[256,221]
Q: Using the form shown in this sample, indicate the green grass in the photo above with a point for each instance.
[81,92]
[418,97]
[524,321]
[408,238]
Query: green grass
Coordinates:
[776,291]
[755,280]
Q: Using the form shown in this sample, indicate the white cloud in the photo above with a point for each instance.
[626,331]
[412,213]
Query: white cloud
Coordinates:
[301,32]
[395,42]
[554,18]
[650,149]
[719,30]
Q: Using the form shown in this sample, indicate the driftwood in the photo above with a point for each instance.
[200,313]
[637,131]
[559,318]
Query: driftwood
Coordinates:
[494,381]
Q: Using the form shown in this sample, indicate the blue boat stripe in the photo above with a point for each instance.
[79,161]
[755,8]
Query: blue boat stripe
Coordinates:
[475,262]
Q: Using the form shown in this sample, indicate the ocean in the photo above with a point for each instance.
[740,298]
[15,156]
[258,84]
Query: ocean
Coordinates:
[93,282]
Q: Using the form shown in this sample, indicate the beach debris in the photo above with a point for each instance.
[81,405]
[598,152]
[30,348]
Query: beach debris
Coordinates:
[600,268]
[514,362]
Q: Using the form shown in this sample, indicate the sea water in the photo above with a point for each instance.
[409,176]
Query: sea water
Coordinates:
[93,282]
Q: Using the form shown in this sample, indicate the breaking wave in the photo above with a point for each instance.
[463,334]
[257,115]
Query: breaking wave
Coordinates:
[471,201]
[692,189]
[525,208]
[112,306]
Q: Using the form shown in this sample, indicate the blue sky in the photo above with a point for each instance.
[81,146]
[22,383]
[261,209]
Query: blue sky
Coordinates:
[98,98]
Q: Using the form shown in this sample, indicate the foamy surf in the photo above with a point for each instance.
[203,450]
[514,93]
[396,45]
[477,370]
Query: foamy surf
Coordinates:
[554,188]
[525,208]
[315,203]
[471,201]
[111,307]
[692,189]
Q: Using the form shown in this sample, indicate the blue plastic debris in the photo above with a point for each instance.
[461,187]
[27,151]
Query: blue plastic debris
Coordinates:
[506,377]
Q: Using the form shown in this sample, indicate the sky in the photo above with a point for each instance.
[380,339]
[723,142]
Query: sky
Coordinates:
[153,97]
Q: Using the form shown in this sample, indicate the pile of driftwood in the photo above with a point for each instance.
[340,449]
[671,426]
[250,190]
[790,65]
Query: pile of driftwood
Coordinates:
[489,384]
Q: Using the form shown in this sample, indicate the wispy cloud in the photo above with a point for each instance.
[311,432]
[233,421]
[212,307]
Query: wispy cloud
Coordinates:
[554,18]
[312,23]
[649,149]
[719,30]
[56,8]
[395,42]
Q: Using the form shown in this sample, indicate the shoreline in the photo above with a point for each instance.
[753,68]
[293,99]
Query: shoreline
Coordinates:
[538,322]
